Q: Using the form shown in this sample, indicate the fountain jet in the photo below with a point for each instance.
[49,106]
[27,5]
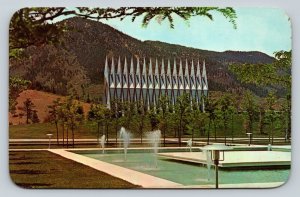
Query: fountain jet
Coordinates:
[153,138]
[102,142]
[125,137]
[189,144]
[208,163]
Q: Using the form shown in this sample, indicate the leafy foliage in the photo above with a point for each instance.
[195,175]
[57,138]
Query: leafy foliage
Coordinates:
[249,105]
[30,113]
[276,73]
[192,123]
[182,109]
[226,108]
[163,115]
[211,109]
[16,86]
[51,69]
[69,114]
[98,113]
[154,121]
[271,115]
[196,121]
[54,115]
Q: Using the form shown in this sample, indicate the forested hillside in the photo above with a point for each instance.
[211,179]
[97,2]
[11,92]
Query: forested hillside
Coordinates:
[75,65]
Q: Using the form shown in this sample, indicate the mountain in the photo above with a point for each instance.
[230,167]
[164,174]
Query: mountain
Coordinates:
[77,63]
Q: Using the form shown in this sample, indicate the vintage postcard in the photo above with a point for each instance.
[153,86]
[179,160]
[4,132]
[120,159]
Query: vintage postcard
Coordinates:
[150,97]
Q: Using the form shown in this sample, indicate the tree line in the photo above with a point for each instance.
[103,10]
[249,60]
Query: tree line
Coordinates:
[276,74]
[218,119]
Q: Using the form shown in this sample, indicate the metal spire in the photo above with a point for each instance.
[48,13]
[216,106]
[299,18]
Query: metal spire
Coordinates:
[150,83]
[119,80]
[106,83]
[131,81]
[204,77]
[106,70]
[125,81]
[169,80]
[175,83]
[138,80]
[156,83]
[162,78]
[198,80]
[112,81]
[193,82]
[187,78]
[180,79]
[144,83]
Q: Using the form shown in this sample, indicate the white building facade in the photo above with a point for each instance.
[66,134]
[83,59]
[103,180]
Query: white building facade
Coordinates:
[128,81]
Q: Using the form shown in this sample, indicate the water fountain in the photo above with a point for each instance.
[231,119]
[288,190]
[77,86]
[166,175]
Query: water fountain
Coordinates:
[153,138]
[216,149]
[189,144]
[269,147]
[102,142]
[125,137]
[208,163]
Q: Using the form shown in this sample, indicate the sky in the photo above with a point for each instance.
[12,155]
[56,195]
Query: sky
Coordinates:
[258,29]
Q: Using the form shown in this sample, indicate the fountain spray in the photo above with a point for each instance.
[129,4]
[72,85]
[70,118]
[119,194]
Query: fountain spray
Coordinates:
[125,137]
[102,142]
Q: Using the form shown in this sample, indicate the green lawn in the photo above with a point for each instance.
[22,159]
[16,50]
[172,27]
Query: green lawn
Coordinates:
[42,169]
[88,130]
[39,131]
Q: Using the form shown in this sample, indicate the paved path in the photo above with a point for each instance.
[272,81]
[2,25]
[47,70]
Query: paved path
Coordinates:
[126,174]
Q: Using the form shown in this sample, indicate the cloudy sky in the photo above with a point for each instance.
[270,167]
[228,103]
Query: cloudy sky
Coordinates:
[258,29]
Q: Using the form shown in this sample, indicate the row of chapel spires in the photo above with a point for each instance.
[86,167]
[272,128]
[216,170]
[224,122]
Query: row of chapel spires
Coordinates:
[147,86]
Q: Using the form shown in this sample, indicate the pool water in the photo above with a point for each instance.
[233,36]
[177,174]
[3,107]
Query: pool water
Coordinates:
[188,173]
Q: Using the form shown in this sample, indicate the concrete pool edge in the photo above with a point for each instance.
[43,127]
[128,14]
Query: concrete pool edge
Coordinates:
[235,158]
[270,185]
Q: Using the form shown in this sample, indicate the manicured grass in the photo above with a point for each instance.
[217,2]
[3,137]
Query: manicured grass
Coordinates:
[39,131]
[88,130]
[42,169]
[33,131]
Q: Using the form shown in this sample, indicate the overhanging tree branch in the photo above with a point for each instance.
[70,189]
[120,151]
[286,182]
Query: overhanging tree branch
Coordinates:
[32,26]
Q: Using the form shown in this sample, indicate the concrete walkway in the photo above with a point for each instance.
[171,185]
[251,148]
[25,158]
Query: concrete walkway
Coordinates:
[129,175]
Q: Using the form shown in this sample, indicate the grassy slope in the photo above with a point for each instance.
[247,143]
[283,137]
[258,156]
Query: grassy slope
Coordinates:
[41,100]
[47,170]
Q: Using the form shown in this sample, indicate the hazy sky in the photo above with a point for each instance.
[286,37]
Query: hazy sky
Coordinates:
[258,29]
